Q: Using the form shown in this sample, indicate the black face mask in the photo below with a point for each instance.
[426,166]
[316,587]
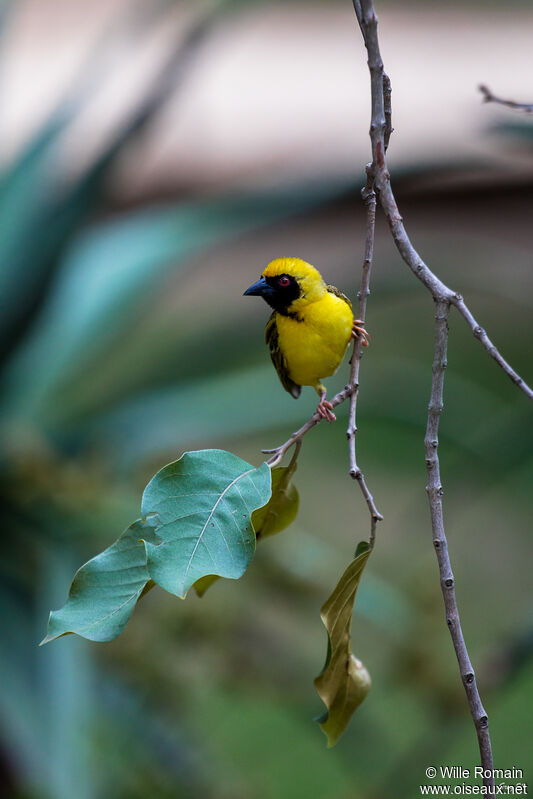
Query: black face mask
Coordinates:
[279,291]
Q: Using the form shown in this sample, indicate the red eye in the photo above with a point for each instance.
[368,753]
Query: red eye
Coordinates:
[284,281]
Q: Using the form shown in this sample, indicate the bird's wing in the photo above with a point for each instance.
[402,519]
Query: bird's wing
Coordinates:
[334,290]
[272,339]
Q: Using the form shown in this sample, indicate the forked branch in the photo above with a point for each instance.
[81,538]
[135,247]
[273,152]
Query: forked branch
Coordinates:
[444,298]
[278,453]
[368,23]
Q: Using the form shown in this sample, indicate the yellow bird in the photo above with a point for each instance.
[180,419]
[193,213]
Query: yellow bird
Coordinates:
[310,328]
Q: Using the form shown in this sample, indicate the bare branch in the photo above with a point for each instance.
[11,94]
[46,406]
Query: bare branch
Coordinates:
[444,298]
[489,97]
[368,22]
[369,199]
[447,582]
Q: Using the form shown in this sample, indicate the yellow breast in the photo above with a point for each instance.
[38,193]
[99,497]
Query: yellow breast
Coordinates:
[314,343]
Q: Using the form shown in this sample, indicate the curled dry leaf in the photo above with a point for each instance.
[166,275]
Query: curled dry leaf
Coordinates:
[344,681]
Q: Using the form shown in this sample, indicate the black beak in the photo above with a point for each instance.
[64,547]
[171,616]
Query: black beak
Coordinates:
[260,288]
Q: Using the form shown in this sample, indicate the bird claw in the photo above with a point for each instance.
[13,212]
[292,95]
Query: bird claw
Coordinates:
[325,410]
[358,331]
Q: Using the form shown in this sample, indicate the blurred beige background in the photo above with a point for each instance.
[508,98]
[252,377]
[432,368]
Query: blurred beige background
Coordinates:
[280,92]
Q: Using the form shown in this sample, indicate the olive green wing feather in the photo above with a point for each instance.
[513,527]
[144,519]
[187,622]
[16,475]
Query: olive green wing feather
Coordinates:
[272,339]
[334,290]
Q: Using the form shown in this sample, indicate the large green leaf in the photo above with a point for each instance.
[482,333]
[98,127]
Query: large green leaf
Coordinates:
[344,682]
[274,517]
[105,590]
[198,522]
[201,506]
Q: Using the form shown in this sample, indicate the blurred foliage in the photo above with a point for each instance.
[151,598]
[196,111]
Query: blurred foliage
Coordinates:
[124,343]
[521,130]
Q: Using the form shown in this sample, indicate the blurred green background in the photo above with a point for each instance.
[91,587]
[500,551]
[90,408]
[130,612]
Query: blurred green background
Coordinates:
[154,158]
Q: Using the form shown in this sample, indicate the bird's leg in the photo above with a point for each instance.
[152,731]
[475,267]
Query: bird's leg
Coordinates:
[358,331]
[325,409]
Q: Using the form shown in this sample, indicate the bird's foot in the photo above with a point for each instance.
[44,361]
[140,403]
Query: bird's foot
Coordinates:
[325,410]
[358,331]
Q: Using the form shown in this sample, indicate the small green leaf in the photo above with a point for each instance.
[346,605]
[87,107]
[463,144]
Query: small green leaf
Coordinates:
[282,507]
[344,682]
[201,506]
[279,512]
[105,590]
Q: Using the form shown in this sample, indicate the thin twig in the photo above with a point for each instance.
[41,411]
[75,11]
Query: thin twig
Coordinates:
[489,97]
[368,22]
[279,452]
[444,297]
[447,582]
[369,199]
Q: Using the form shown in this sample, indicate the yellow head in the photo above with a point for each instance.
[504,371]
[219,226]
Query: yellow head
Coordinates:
[288,284]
